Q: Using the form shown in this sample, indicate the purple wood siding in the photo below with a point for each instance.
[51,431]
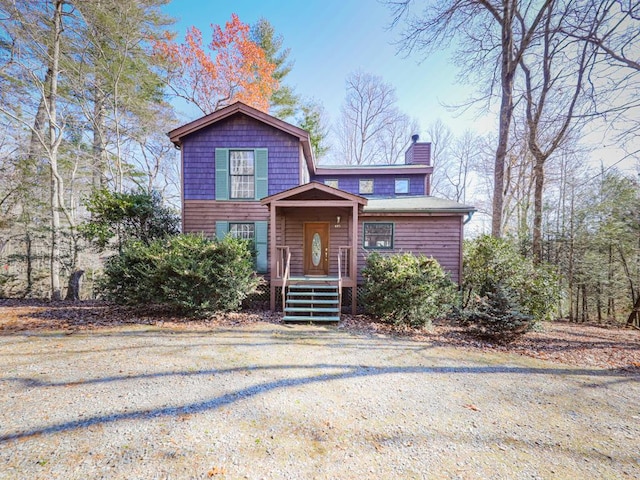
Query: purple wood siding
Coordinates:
[383,185]
[238,131]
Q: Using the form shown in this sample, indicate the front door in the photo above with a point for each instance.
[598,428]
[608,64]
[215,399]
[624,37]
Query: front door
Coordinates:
[316,249]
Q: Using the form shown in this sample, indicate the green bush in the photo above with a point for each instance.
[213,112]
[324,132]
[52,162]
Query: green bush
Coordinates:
[498,279]
[185,273]
[496,316]
[123,217]
[407,289]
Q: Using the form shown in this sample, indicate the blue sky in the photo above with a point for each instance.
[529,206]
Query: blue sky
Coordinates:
[331,38]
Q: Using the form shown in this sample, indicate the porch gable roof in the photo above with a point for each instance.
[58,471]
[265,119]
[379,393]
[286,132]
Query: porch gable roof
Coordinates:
[314,192]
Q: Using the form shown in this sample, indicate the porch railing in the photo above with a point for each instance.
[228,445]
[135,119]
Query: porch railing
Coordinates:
[343,257]
[283,266]
[281,260]
[344,263]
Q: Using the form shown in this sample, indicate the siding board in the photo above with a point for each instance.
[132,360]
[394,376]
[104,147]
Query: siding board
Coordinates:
[437,237]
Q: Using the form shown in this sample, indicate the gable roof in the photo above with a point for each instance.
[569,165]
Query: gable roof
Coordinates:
[324,191]
[176,135]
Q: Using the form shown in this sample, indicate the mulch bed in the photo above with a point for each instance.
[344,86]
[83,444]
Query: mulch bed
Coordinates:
[578,344]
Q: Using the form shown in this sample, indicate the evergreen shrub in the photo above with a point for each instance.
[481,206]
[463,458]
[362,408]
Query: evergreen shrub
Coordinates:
[188,273]
[504,293]
[496,316]
[405,289]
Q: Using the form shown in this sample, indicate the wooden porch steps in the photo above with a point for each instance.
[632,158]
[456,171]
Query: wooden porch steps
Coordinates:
[312,302]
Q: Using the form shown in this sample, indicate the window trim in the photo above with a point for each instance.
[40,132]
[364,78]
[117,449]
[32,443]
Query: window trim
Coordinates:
[360,180]
[337,182]
[395,186]
[253,176]
[364,235]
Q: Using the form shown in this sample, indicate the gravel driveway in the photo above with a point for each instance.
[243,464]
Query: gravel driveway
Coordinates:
[274,401]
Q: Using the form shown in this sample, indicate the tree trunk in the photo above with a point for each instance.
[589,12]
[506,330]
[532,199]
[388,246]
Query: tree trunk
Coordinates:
[506,114]
[73,287]
[599,301]
[538,172]
[54,142]
[99,149]
[29,259]
[634,316]
[611,306]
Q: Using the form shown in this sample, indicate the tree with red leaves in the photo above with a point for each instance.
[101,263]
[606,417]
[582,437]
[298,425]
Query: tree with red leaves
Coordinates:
[230,68]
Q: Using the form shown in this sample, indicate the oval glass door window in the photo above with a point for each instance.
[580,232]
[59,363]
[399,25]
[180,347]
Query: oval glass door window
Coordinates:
[316,249]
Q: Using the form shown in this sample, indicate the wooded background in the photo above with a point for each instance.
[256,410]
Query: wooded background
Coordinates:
[89,88]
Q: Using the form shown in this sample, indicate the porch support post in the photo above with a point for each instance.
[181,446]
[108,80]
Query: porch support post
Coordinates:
[272,255]
[353,271]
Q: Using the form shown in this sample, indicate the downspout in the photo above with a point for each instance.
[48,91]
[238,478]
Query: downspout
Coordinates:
[469,217]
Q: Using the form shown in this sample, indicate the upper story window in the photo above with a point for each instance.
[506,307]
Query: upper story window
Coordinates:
[365,186]
[331,183]
[402,185]
[242,174]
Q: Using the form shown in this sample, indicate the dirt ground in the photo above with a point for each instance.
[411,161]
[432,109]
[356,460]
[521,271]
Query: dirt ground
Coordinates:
[578,344]
[97,391]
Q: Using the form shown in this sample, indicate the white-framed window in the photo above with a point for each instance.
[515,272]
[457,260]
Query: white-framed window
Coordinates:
[378,236]
[331,183]
[246,231]
[256,232]
[242,174]
[365,186]
[402,185]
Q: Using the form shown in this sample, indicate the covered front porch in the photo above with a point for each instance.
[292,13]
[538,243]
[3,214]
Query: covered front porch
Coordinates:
[313,239]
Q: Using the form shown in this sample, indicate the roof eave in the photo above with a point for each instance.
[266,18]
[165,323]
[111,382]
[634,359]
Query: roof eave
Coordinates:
[367,170]
[418,211]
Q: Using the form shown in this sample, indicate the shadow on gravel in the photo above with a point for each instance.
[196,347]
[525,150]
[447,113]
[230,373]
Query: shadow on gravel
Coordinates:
[348,371]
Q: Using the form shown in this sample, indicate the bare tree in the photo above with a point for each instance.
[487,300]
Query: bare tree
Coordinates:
[371,128]
[440,137]
[456,171]
[612,27]
[491,33]
[555,70]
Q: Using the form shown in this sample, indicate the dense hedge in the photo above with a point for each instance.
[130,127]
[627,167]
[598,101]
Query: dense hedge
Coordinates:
[407,289]
[186,273]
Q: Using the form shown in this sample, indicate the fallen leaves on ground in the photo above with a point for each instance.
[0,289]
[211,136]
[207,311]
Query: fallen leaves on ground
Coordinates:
[216,471]
[586,345]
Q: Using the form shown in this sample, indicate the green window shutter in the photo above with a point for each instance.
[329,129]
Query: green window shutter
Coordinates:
[261,172]
[222,174]
[222,228]
[261,247]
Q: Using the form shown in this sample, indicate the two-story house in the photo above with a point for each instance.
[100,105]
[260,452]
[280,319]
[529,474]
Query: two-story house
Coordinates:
[251,175]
